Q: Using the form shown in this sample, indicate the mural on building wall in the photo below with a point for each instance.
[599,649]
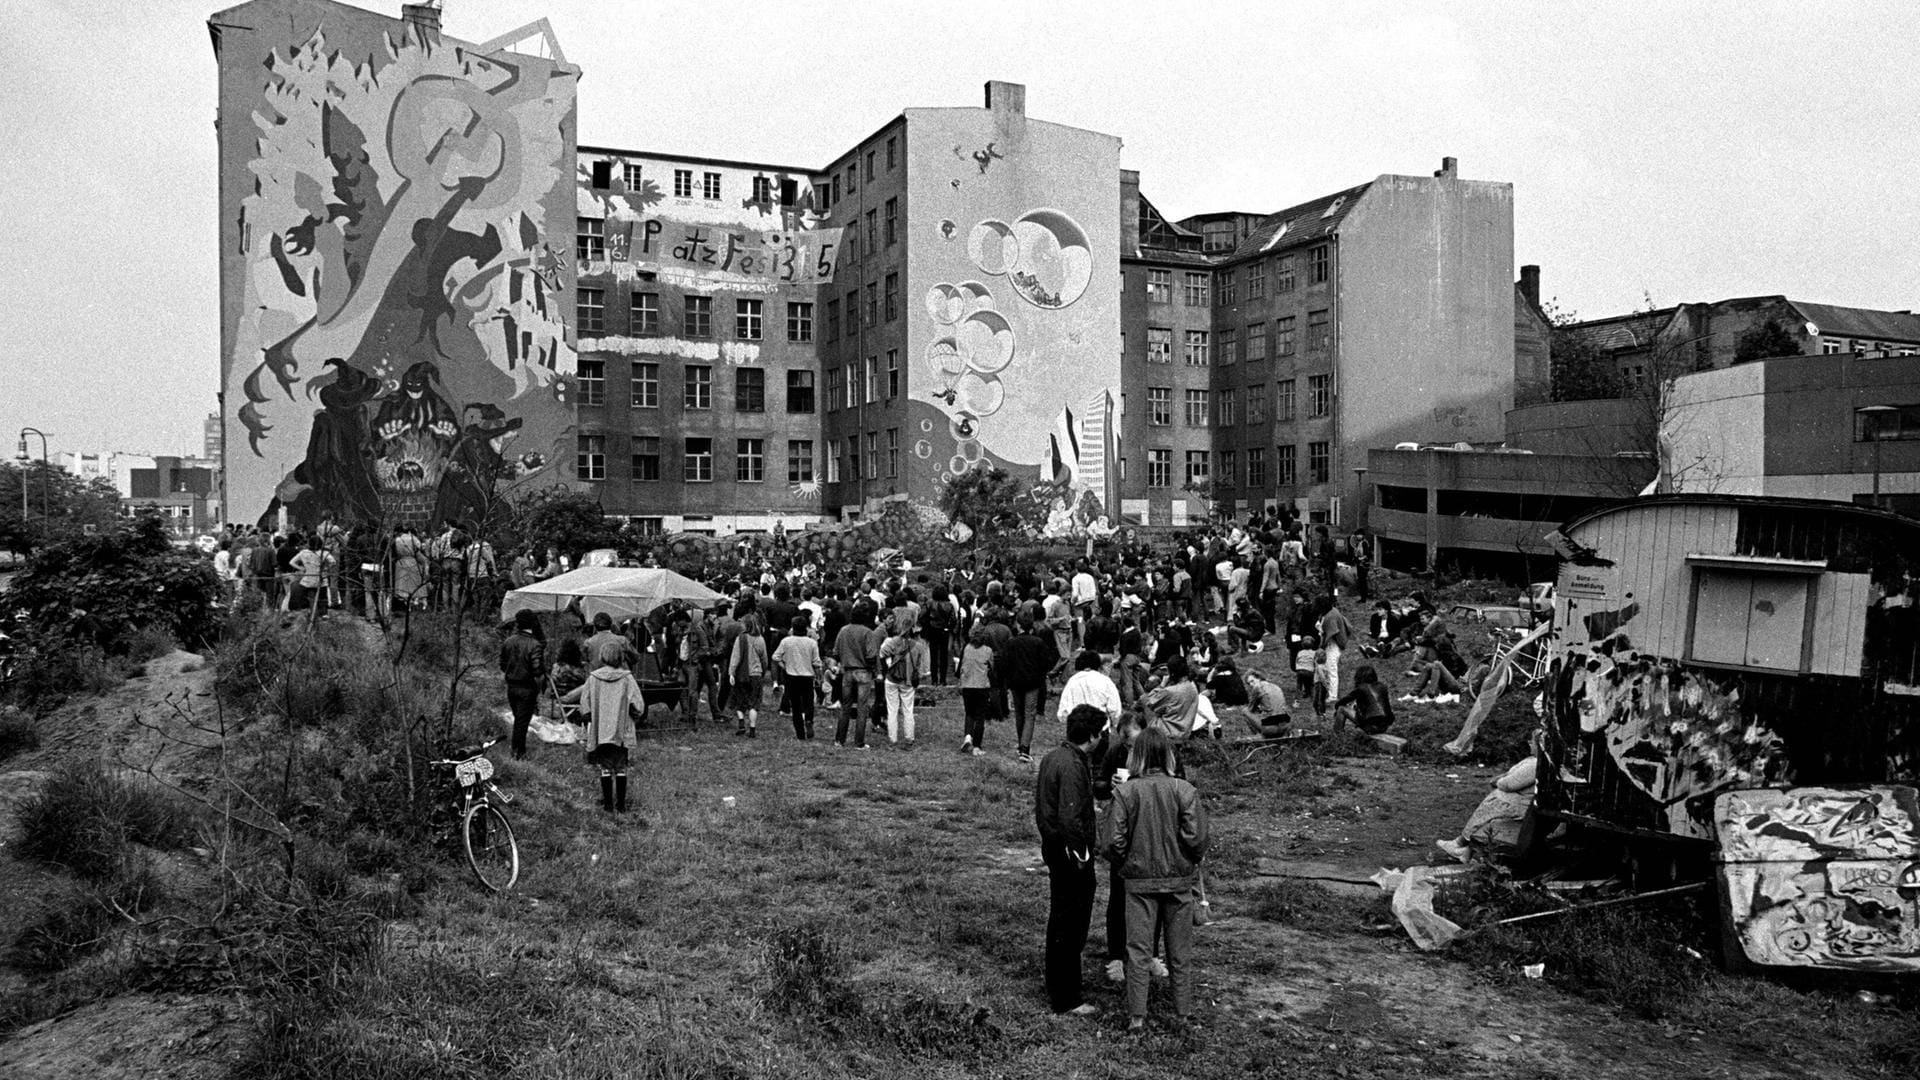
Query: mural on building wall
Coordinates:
[1823,877]
[1020,371]
[401,271]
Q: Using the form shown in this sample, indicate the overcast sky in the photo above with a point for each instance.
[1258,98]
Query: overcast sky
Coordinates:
[1680,151]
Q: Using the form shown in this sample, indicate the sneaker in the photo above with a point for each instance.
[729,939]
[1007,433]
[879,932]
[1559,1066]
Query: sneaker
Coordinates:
[1116,971]
[863,746]
[966,743]
[1414,673]
[1157,968]
[1085,1008]
[908,745]
[1423,699]
[753,733]
[1407,697]
[1026,758]
[1136,1026]
[1447,699]
[977,752]
[1455,850]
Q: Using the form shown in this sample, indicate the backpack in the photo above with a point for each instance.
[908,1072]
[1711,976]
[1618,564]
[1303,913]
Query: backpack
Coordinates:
[939,615]
[899,668]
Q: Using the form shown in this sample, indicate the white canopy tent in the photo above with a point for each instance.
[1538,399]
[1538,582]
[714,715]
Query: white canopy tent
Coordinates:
[622,592]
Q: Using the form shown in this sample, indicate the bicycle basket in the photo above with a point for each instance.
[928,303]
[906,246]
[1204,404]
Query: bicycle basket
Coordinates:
[473,770]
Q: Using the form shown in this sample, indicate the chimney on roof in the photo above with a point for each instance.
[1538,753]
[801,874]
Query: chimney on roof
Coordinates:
[424,18]
[1530,284]
[1007,97]
[1449,168]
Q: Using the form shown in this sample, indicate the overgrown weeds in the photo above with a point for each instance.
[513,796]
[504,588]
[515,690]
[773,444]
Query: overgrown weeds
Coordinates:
[88,820]
[18,734]
[1307,906]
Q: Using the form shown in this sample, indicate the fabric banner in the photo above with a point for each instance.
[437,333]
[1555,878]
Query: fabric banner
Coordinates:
[727,256]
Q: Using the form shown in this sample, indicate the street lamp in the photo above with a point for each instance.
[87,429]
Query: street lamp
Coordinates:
[20,455]
[1876,431]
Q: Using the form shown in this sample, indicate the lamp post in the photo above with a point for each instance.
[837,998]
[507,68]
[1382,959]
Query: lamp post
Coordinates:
[1876,431]
[21,456]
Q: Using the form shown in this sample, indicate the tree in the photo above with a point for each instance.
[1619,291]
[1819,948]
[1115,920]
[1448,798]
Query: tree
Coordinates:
[559,517]
[1763,340]
[991,502]
[70,505]
[1579,369]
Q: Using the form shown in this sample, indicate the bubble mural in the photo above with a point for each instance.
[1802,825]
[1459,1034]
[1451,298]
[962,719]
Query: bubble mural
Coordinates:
[397,213]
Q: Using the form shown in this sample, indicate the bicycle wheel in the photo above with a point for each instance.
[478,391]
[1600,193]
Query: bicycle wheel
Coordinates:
[491,852]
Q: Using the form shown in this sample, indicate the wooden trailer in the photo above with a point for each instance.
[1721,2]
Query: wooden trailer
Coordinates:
[1740,675]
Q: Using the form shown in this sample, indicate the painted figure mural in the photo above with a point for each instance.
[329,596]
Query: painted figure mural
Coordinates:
[403,259]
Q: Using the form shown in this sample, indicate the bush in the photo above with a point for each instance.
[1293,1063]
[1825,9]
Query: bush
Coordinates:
[87,820]
[103,590]
[17,734]
[803,973]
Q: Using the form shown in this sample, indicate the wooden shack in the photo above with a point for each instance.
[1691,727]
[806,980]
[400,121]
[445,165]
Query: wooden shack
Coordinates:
[1741,675]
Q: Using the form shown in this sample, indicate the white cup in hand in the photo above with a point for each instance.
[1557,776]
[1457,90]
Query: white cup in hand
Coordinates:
[1120,776]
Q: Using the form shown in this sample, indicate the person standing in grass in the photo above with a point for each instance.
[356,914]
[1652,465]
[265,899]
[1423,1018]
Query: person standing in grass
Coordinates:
[612,701]
[904,665]
[1023,667]
[797,659]
[977,678]
[1063,812]
[1090,686]
[1159,838]
[522,664]
[747,675]
[855,649]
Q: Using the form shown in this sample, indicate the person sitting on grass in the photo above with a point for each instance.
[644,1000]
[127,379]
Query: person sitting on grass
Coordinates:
[1433,673]
[1266,707]
[1248,629]
[1372,709]
[612,702]
[1498,823]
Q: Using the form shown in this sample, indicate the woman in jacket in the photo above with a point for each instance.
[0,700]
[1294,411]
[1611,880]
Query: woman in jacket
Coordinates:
[1159,838]
[1372,707]
[612,701]
[747,674]
[977,671]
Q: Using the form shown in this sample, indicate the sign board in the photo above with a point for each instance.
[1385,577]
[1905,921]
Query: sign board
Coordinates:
[1589,582]
[721,255]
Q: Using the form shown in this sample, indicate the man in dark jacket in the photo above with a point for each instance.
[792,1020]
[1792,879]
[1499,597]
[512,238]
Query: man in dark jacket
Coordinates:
[522,664]
[1024,665]
[1063,811]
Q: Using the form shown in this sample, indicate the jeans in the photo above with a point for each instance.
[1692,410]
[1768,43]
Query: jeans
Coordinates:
[1333,668]
[1117,918]
[937,648]
[899,710]
[800,698]
[1175,912]
[523,699]
[1069,913]
[856,701]
[1029,706]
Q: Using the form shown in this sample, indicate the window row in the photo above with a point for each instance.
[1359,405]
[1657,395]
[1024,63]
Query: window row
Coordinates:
[1276,276]
[1283,341]
[696,388]
[1222,471]
[878,301]
[849,460]
[864,383]
[1201,410]
[696,460]
[696,316]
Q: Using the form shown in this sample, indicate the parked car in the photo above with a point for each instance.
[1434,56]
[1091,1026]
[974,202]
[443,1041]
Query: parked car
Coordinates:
[1538,598]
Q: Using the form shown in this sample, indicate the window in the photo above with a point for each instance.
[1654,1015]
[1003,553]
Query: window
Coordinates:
[873,455]
[893,373]
[646,457]
[893,451]
[799,461]
[1317,463]
[870,380]
[853,312]
[799,391]
[1832,346]
[850,245]
[746,319]
[893,297]
[643,313]
[1228,399]
[1160,286]
[1283,408]
[1286,464]
[590,243]
[1197,291]
[869,166]
[1197,348]
[833,320]
[799,321]
[1225,294]
[696,466]
[1159,406]
[590,463]
[1229,345]
[749,389]
[1256,342]
[834,464]
[1257,403]
[1228,470]
[1319,337]
[1257,467]
[1750,619]
[1256,288]
[602,175]
[645,386]
[1319,395]
[762,189]
[836,382]
[893,221]
[591,376]
[850,188]
[592,310]
[1316,264]
[630,173]
[699,389]
[648,526]
[1197,470]
[893,149]
[1219,236]
[823,194]
[749,461]
[1283,275]
[710,185]
[1159,468]
[683,183]
[853,386]
[853,457]
[699,317]
[873,304]
[1159,345]
[1283,336]
[873,231]
[1197,408]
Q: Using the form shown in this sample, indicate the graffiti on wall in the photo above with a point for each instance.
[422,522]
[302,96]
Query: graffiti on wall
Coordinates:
[400,273]
[1823,877]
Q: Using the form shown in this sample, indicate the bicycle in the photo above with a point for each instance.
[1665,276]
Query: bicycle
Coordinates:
[485,833]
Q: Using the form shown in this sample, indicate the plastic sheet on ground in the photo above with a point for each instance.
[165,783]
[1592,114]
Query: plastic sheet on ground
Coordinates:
[554,731]
[1413,890]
